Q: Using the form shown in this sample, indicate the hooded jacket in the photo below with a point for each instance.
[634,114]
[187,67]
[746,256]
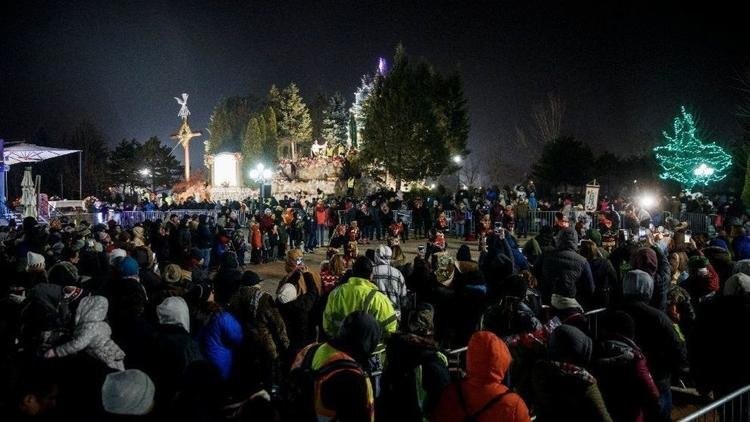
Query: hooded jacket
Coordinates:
[656,263]
[93,335]
[219,341]
[625,381]
[353,296]
[487,361]
[563,389]
[388,279]
[565,272]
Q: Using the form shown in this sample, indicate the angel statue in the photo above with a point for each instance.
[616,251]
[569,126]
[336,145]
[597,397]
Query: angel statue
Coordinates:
[184,112]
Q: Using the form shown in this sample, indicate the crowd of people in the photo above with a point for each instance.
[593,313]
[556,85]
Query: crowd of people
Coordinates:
[166,320]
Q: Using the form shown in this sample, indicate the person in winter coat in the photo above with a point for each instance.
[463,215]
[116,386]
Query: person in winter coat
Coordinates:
[344,393]
[720,259]
[359,294]
[603,272]
[92,335]
[621,369]
[227,280]
[702,281]
[563,388]
[416,373]
[265,331]
[664,351]
[655,262]
[481,395]
[388,279]
[220,339]
[173,348]
[204,240]
[564,273]
[740,243]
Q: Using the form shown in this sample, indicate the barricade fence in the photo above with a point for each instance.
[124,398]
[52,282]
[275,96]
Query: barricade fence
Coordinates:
[733,407]
[131,218]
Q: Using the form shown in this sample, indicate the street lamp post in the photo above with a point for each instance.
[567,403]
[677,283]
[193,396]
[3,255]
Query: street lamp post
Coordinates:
[260,174]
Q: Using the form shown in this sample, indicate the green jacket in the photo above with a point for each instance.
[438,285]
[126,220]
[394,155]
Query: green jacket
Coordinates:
[355,295]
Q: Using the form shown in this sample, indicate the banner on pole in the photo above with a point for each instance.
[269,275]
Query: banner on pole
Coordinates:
[592,197]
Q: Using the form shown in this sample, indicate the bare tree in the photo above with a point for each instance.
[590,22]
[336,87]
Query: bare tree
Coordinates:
[547,116]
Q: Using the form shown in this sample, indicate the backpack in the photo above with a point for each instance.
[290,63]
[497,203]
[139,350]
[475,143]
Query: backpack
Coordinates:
[475,416]
[301,392]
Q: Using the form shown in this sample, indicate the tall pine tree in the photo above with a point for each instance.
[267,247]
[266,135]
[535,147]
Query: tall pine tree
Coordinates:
[271,145]
[357,110]
[293,119]
[335,121]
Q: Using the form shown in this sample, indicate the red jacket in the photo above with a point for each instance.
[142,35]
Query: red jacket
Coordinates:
[488,359]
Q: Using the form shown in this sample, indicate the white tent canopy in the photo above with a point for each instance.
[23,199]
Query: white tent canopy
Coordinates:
[30,153]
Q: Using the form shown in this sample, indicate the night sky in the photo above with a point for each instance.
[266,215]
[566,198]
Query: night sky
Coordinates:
[622,70]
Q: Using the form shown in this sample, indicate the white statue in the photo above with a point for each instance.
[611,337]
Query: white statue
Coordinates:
[317,148]
[184,112]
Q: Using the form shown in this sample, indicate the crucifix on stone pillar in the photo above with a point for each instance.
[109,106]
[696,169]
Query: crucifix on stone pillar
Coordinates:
[184,133]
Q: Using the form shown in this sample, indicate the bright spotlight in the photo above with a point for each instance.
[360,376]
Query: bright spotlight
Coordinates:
[432,186]
[145,172]
[647,201]
[266,173]
[254,174]
[457,159]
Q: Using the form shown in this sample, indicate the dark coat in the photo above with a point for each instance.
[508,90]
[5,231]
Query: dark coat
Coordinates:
[564,272]
[665,353]
[566,392]
[172,351]
[625,381]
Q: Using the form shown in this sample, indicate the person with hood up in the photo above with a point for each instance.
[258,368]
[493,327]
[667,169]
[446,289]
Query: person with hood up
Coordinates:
[655,262]
[220,339]
[481,395]
[603,272]
[342,390]
[564,274]
[359,294]
[92,335]
[541,243]
[174,349]
[703,281]
[417,371]
[624,379]
[665,352]
[720,258]
[389,279]
[563,388]
[227,280]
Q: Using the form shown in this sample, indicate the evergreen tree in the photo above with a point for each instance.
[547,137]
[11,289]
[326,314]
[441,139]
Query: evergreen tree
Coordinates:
[293,119]
[271,145]
[164,169]
[317,115]
[90,140]
[228,122]
[352,130]
[123,169]
[564,162]
[686,159]
[252,145]
[357,109]
[414,121]
[335,120]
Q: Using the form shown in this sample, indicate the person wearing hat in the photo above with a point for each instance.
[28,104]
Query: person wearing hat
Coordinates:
[563,388]
[482,395]
[264,328]
[416,372]
[665,352]
[128,393]
[702,281]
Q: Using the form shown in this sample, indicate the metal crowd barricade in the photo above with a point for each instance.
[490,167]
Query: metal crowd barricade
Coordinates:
[593,318]
[733,407]
[698,223]
[456,359]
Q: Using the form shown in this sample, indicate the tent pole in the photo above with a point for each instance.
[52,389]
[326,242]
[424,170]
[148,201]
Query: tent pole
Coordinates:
[80,174]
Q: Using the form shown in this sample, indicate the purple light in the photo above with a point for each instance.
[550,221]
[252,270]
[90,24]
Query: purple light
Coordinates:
[382,66]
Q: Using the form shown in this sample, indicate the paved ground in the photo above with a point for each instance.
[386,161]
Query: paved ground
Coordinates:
[273,272]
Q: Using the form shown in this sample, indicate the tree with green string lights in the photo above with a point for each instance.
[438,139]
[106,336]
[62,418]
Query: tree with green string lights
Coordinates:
[688,160]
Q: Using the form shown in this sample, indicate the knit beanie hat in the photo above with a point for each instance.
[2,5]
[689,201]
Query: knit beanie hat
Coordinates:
[34,262]
[63,273]
[250,278]
[697,262]
[113,256]
[172,274]
[128,267]
[129,392]
[421,320]
[645,259]
[719,243]
[287,293]
[569,344]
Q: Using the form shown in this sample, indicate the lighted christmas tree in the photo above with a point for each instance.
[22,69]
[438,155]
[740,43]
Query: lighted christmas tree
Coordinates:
[688,160]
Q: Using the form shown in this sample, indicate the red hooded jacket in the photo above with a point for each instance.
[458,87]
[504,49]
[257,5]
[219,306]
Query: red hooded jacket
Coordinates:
[488,359]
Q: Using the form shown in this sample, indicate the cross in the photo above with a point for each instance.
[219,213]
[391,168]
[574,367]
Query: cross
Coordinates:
[183,136]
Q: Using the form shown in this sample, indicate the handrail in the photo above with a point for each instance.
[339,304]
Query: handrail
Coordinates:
[722,401]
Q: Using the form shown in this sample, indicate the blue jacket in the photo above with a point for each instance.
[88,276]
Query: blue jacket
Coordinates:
[220,340]
[741,248]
